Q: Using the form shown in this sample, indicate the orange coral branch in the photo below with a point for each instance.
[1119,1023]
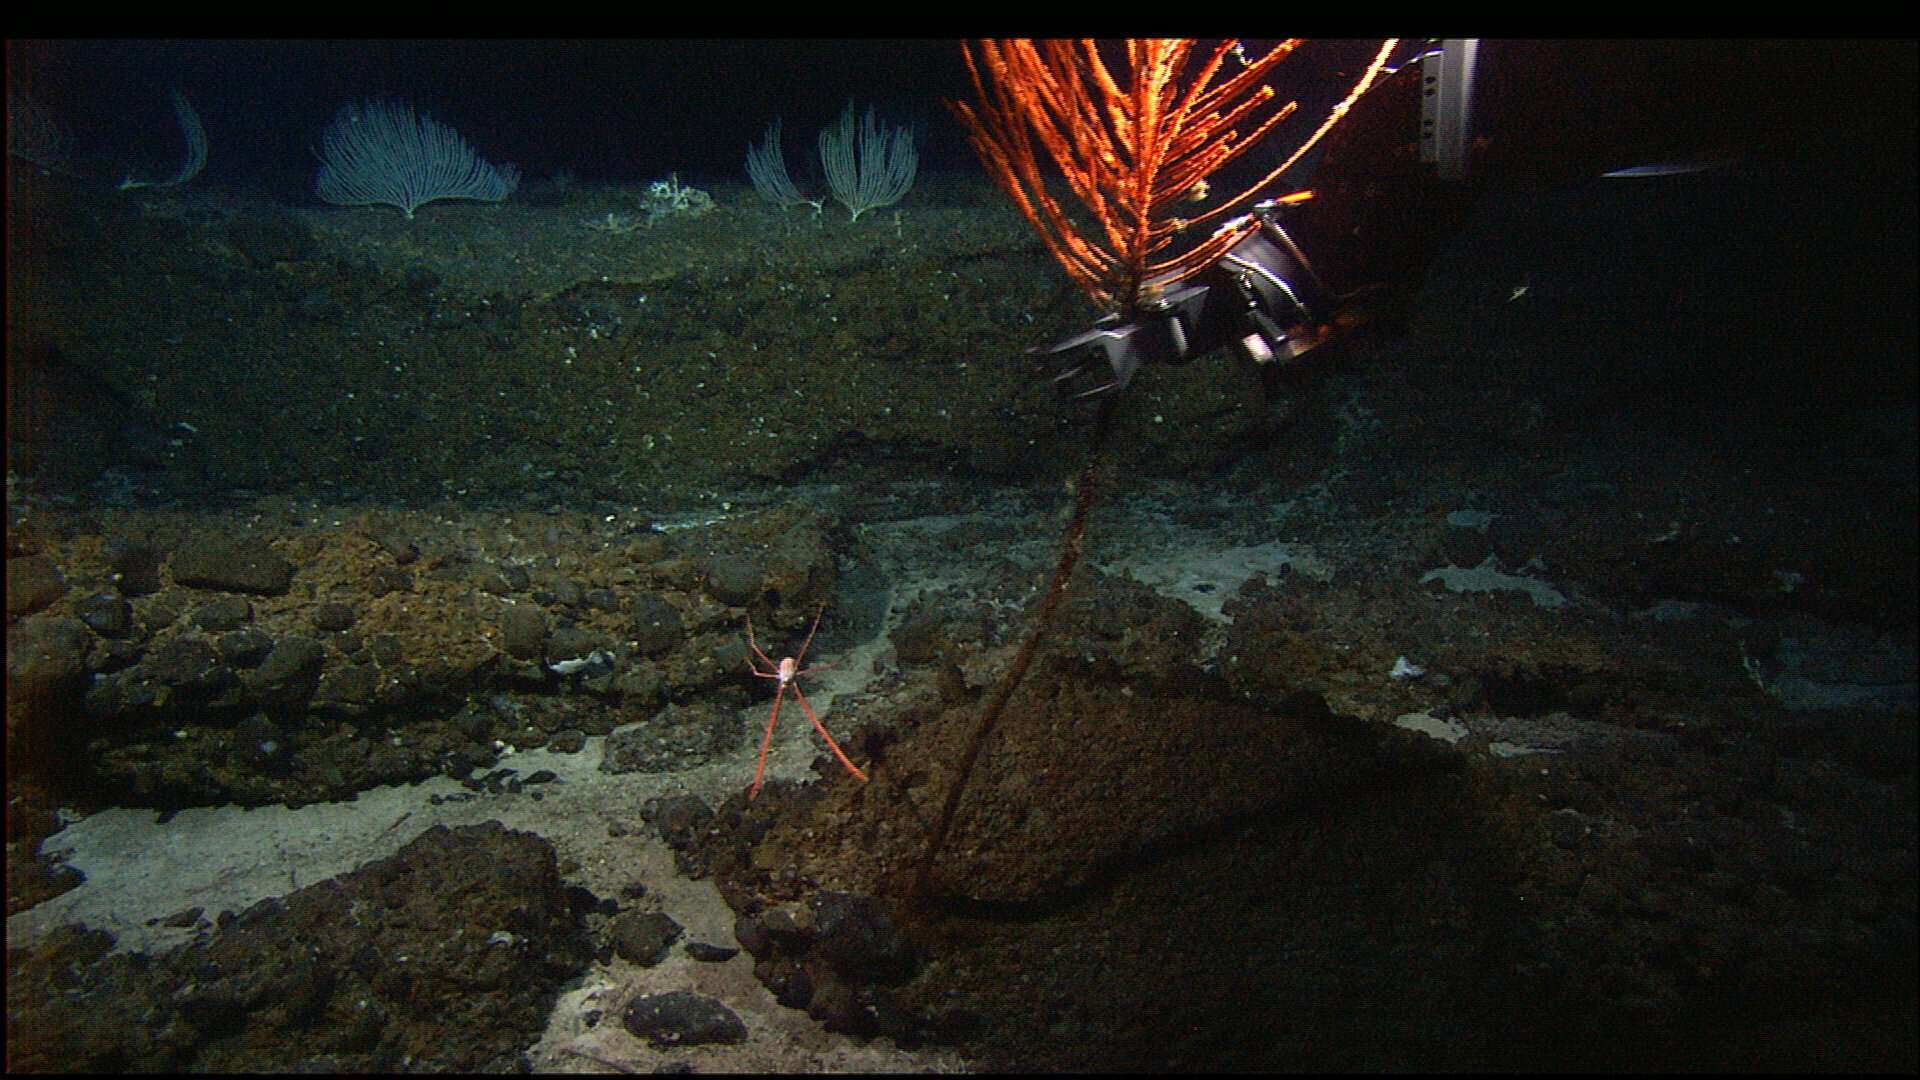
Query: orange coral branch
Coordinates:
[1130,154]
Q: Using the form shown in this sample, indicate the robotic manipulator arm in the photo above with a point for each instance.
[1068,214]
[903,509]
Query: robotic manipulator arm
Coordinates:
[1265,298]
[1402,171]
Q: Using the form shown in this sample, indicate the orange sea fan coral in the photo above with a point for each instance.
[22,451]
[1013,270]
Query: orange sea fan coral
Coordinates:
[1132,155]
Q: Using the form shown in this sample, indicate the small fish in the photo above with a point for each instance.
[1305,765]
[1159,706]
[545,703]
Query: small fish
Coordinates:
[1681,167]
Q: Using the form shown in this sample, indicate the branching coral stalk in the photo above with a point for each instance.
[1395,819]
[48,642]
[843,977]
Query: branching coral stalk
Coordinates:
[1130,156]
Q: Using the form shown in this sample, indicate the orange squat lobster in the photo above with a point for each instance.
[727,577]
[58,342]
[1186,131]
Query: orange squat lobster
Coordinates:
[786,671]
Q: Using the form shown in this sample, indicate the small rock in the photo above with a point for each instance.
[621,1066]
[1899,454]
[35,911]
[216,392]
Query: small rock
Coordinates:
[790,983]
[733,579]
[258,742]
[573,643]
[523,632]
[675,738]
[333,616]
[351,689]
[645,937]
[245,647]
[564,593]
[187,662]
[752,936]
[223,614]
[683,1018]
[229,564]
[389,579]
[33,583]
[656,626]
[106,614]
[136,566]
[185,918]
[856,936]
[678,817]
[46,657]
[290,672]
[708,953]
